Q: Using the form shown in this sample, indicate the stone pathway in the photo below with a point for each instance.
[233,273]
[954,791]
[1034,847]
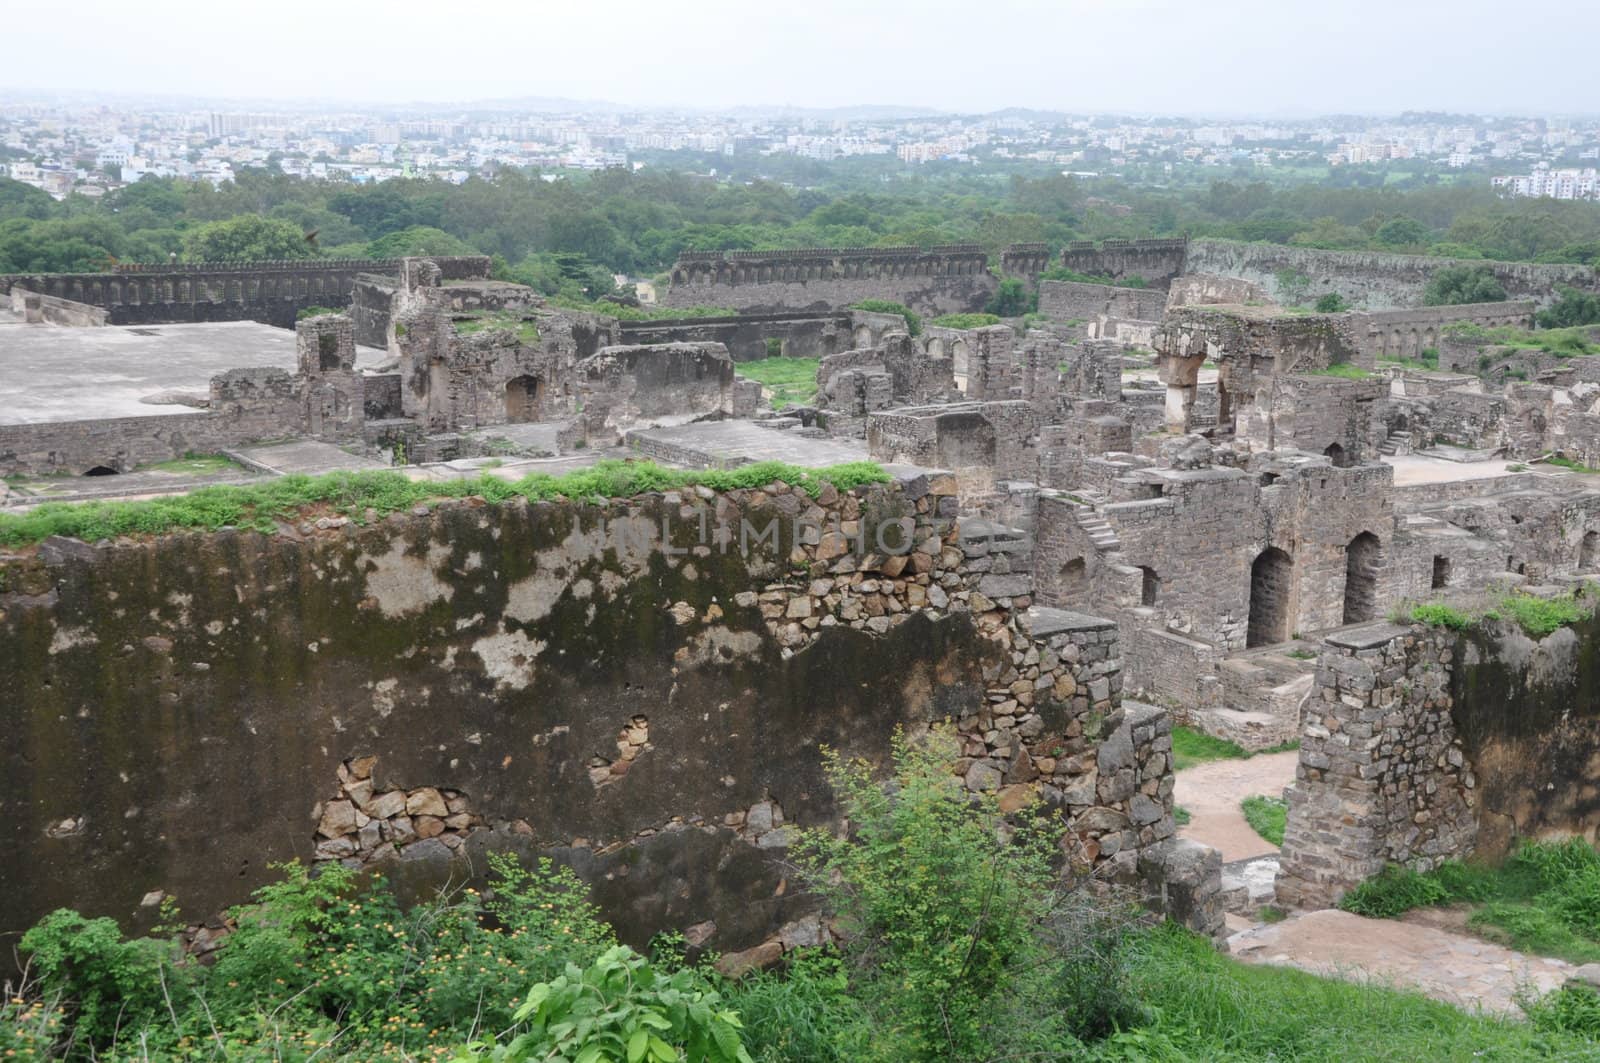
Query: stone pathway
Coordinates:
[1211,792]
[1465,971]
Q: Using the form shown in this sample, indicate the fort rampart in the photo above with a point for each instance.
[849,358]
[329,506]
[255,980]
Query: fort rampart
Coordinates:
[272,292]
[621,686]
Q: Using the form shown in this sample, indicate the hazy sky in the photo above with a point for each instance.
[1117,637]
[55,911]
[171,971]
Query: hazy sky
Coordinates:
[1137,56]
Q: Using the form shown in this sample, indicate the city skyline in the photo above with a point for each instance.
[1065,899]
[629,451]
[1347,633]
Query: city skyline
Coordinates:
[1143,57]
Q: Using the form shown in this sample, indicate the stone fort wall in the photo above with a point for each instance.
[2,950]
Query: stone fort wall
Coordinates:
[271,292]
[1157,262]
[604,684]
[940,280]
[1372,280]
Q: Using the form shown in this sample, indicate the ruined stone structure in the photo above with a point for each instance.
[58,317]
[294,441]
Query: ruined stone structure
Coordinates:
[270,292]
[940,280]
[605,684]
[1156,262]
[1424,744]
[1371,280]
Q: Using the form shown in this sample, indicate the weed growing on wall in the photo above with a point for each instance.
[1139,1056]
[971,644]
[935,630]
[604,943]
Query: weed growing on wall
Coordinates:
[262,506]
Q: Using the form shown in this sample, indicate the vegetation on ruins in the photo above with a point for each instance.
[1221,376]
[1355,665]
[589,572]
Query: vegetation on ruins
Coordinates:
[1267,816]
[792,381]
[965,321]
[963,945]
[1544,899]
[888,306]
[525,329]
[1562,342]
[1537,616]
[1332,303]
[1343,370]
[1062,273]
[1571,309]
[363,496]
[1454,285]
[1191,747]
[1013,297]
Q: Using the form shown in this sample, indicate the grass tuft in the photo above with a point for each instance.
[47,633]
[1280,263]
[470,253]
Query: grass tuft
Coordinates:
[261,506]
[1267,816]
[793,380]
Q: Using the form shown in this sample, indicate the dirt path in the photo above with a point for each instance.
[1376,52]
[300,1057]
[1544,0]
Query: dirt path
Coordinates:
[1212,791]
[1465,971]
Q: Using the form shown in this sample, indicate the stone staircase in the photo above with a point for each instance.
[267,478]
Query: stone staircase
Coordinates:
[1099,530]
[1395,443]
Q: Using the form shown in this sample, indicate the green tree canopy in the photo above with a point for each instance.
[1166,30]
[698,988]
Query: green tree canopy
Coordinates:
[418,240]
[1455,285]
[249,237]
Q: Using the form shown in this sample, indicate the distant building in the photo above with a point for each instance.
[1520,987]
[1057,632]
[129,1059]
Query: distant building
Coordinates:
[1554,184]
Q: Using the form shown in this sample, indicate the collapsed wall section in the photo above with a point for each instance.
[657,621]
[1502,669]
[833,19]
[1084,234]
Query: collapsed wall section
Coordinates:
[1426,744]
[638,689]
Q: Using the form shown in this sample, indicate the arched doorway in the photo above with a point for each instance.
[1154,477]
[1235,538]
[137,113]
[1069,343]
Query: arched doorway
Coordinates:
[1589,552]
[1074,582]
[1336,454]
[1362,560]
[1149,585]
[522,399]
[1271,588]
[958,366]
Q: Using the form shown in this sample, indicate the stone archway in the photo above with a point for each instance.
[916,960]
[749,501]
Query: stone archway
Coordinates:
[1074,582]
[1589,552]
[1271,592]
[1363,558]
[523,399]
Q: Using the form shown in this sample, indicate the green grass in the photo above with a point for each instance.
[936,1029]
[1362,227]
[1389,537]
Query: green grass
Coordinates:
[1191,747]
[259,506]
[1568,463]
[641,313]
[1206,1006]
[1545,899]
[527,331]
[1344,371]
[1181,815]
[1266,816]
[793,380]
[885,306]
[1537,616]
[965,321]
[1561,342]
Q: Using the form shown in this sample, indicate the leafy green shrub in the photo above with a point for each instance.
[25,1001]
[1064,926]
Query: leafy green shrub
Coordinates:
[966,321]
[1538,617]
[1012,299]
[1456,285]
[1267,816]
[620,1008]
[1332,303]
[886,306]
[962,944]
[1435,614]
[1394,891]
[805,1012]
[107,981]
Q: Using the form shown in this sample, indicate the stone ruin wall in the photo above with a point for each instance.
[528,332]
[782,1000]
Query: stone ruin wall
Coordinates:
[37,309]
[940,280]
[551,679]
[1423,744]
[1372,280]
[1407,333]
[270,292]
[324,399]
[1158,262]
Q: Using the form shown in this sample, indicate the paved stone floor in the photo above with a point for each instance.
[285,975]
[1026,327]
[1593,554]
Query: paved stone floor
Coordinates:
[1452,967]
[309,456]
[1211,792]
[54,373]
[725,441]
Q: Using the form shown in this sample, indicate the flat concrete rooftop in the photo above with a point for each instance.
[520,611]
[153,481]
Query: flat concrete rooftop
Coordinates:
[54,373]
